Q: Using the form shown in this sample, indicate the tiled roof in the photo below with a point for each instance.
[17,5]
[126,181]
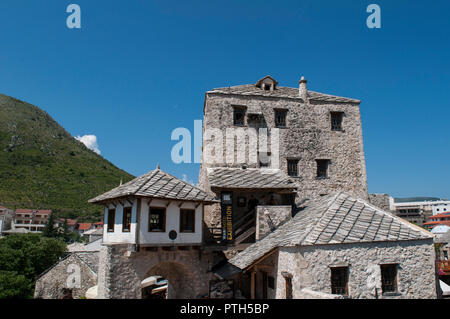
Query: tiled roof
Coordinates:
[157,184]
[80,247]
[440,222]
[281,91]
[441,215]
[70,222]
[84,226]
[95,231]
[30,211]
[248,178]
[333,219]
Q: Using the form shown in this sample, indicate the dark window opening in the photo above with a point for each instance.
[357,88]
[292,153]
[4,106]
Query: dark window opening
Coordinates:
[264,159]
[288,287]
[126,224]
[388,278]
[292,167]
[336,121]
[271,282]
[339,281]
[187,221]
[280,118]
[239,116]
[157,222]
[322,168]
[111,219]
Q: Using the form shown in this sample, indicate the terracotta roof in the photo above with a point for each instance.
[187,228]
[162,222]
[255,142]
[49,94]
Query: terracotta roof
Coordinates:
[440,222]
[99,223]
[70,222]
[441,215]
[281,91]
[249,178]
[333,219]
[31,211]
[84,226]
[157,184]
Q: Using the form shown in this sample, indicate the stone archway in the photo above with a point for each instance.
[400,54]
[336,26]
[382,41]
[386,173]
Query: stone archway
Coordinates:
[180,280]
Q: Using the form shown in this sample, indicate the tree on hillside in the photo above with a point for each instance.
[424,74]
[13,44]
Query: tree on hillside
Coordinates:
[50,230]
[23,257]
[65,234]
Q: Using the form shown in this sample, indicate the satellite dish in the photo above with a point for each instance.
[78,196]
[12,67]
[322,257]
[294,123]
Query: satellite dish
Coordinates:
[173,235]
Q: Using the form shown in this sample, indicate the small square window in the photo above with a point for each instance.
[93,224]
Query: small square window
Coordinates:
[126,223]
[280,118]
[336,121]
[388,278]
[322,168]
[187,221]
[111,219]
[292,167]
[239,116]
[339,280]
[156,218]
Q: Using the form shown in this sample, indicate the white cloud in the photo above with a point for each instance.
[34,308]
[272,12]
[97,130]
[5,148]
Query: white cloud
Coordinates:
[90,141]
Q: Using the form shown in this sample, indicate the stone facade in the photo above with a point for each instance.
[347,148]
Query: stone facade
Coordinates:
[121,271]
[73,275]
[270,218]
[307,137]
[382,201]
[310,268]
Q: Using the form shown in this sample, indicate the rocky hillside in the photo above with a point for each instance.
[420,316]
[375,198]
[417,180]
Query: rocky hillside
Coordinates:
[43,166]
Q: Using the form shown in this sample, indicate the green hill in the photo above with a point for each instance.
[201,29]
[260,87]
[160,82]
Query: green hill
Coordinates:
[43,167]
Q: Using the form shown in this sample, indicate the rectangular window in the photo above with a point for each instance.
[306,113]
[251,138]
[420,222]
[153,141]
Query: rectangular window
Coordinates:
[336,121]
[280,118]
[322,168]
[388,278]
[157,219]
[187,221]
[126,219]
[239,116]
[339,280]
[292,167]
[111,219]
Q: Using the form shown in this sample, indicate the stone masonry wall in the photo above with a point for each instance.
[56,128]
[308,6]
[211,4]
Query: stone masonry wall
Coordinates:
[310,267]
[271,217]
[186,271]
[380,200]
[52,284]
[308,137]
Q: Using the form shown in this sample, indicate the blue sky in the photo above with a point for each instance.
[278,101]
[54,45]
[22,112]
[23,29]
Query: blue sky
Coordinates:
[138,69]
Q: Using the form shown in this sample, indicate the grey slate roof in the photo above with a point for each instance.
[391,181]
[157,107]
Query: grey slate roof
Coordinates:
[157,184]
[91,259]
[248,178]
[333,219]
[281,91]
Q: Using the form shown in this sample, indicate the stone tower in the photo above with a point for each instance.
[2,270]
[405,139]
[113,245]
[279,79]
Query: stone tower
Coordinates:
[311,141]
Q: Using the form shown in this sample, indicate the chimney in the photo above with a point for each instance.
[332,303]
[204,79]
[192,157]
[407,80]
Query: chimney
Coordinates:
[302,89]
